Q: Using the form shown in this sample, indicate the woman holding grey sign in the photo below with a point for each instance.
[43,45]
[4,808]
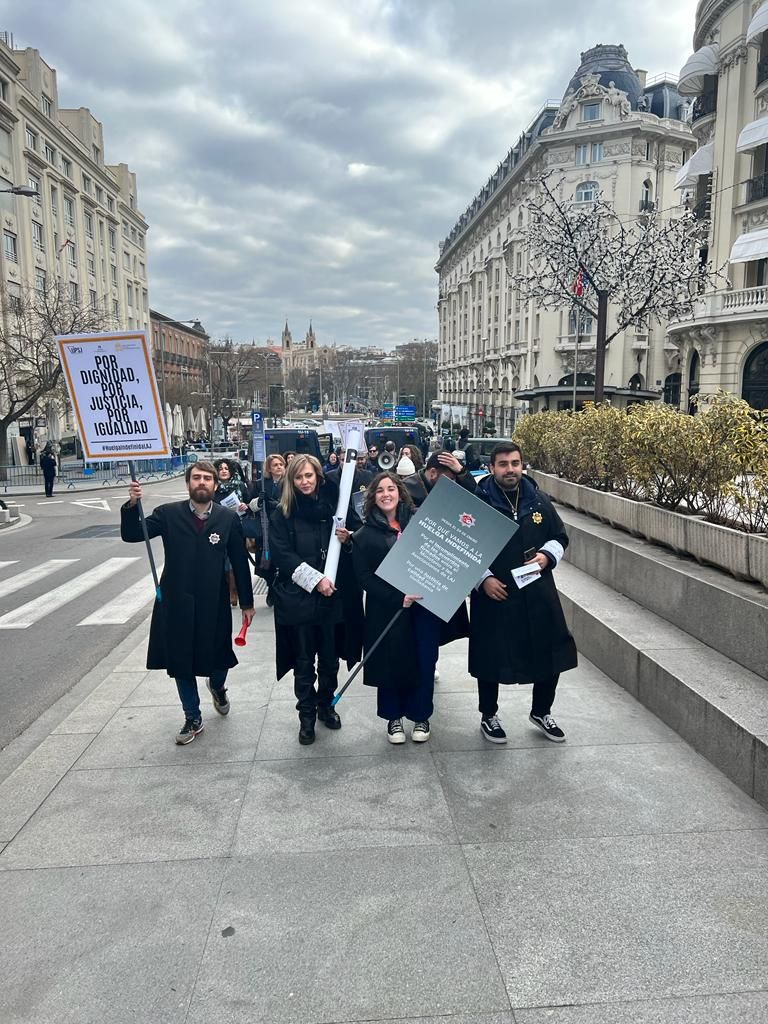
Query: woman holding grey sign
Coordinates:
[402,667]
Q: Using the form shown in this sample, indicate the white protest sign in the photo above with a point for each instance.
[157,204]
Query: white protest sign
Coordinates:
[112,387]
[347,427]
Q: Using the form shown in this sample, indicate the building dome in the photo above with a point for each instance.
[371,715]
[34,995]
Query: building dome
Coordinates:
[611,64]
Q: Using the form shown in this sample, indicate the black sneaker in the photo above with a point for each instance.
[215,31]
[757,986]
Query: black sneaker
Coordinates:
[491,729]
[548,726]
[192,727]
[395,731]
[220,699]
[420,732]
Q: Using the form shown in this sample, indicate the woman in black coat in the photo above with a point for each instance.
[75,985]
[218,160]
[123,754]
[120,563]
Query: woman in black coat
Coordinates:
[309,617]
[402,667]
[48,466]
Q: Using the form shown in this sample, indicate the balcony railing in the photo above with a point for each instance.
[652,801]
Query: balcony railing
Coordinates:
[702,210]
[567,342]
[647,206]
[704,105]
[745,299]
[762,71]
[757,188]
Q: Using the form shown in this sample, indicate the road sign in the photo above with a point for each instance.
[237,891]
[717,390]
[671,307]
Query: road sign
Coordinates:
[259,448]
[405,412]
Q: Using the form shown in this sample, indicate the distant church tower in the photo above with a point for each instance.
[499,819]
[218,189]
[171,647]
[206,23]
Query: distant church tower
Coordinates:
[309,341]
[287,339]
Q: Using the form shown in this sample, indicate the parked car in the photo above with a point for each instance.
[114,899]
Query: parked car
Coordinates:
[479,453]
[401,435]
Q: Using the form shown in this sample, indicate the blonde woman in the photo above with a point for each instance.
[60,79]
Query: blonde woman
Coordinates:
[309,619]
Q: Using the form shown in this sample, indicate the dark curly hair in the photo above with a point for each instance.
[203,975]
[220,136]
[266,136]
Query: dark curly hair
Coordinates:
[370,494]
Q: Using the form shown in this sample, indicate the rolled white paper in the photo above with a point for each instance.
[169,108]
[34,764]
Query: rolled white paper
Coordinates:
[354,439]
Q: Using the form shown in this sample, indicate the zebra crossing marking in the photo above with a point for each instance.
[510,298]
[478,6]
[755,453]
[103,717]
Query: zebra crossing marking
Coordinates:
[125,605]
[38,572]
[31,612]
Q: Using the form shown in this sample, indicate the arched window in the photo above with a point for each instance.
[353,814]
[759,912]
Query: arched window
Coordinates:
[693,382]
[636,382]
[754,388]
[672,389]
[587,192]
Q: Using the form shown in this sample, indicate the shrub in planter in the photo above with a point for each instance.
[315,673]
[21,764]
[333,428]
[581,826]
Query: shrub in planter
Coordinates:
[666,448]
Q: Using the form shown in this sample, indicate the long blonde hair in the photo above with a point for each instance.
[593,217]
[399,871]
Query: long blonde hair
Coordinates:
[288,497]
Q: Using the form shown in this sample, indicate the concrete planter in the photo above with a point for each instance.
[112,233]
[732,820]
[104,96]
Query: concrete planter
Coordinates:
[757,546]
[563,491]
[718,545]
[661,526]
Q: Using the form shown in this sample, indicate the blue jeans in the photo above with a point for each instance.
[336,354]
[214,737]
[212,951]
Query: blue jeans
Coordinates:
[190,698]
[415,702]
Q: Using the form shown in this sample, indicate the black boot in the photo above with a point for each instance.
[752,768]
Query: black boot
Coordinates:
[329,717]
[306,730]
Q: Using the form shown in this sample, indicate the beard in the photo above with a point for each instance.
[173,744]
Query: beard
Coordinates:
[201,493]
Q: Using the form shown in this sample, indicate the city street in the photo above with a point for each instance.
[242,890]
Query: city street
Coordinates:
[70,590]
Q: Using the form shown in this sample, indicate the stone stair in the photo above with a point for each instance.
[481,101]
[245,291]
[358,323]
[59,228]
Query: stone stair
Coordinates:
[688,641]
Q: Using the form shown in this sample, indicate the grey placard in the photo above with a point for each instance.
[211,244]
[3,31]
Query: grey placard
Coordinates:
[450,542]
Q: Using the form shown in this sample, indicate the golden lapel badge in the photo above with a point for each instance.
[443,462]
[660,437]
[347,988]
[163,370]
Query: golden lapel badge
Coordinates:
[538,518]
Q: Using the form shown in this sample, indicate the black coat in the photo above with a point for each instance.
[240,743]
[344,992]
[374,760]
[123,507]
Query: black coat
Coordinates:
[48,464]
[525,638]
[191,631]
[304,537]
[360,482]
[393,663]
[418,486]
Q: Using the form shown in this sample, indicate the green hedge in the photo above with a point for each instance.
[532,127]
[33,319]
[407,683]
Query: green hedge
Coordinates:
[714,464]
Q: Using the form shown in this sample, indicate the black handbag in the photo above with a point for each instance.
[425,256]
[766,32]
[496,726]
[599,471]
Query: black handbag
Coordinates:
[294,606]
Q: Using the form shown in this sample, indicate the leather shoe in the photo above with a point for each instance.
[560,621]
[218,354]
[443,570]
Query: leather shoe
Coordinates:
[306,731]
[329,718]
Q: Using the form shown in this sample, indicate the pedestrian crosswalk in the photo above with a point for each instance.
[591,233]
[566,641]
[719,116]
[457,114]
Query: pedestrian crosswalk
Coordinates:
[85,586]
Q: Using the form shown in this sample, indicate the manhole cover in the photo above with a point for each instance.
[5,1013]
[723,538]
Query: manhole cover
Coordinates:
[92,532]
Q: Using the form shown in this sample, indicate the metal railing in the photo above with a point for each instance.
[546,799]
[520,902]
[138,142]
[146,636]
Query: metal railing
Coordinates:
[108,474]
[762,71]
[647,206]
[704,105]
[757,188]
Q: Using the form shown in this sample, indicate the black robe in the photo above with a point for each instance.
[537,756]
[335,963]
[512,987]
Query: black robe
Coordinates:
[393,663]
[191,631]
[525,638]
[304,537]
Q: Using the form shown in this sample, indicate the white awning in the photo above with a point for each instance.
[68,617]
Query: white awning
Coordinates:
[758,25]
[753,135]
[703,62]
[752,246]
[702,162]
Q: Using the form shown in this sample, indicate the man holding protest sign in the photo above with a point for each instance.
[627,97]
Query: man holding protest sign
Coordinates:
[191,631]
[518,632]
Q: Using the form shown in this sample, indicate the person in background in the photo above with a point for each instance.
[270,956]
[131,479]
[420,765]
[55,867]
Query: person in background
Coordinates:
[266,492]
[410,451]
[332,463]
[402,668]
[519,635]
[373,459]
[231,482]
[49,467]
[309,622]
[438,464]
[289,456]
[191,631]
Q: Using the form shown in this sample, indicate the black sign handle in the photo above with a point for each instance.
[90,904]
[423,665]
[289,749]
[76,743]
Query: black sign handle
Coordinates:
[142,520]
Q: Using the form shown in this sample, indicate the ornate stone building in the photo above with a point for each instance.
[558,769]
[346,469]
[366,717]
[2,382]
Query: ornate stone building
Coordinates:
[726,346]
[616,132]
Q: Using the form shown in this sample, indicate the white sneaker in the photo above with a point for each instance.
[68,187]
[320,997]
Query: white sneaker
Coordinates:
[437,676]
[420,732]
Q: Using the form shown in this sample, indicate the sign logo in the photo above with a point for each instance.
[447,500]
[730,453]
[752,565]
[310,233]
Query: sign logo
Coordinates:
[466,519]
[76,350]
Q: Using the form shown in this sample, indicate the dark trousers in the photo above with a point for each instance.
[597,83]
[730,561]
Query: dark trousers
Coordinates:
[541,702]
[48,480]
[314,642]
[190,698]
[415,702]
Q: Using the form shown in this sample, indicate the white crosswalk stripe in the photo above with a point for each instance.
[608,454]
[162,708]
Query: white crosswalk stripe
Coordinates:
[31,612]
[39,572]
[125,605]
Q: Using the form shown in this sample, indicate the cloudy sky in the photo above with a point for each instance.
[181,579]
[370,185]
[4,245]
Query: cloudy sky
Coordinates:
[302,158]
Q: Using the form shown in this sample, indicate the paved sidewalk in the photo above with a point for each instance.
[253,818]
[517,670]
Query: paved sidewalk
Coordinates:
[615,879]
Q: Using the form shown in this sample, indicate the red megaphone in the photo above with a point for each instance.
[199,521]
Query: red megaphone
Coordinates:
[240,638]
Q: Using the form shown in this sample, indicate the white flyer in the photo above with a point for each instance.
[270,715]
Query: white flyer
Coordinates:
[232,501]
[526,574]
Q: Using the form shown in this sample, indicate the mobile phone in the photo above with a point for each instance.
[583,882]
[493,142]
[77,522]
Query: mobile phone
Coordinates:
[528,554]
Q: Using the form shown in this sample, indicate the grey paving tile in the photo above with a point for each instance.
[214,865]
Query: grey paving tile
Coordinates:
[746,1008]
[84,946]
[139,736]
[244,686]
[109,816]
[339,803]
[595,713]
[644,917]
[590,791]
[376,935]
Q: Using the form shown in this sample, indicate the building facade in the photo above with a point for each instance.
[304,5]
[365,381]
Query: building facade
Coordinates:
[180,357]
[726,345]
[614,132]
[84,228]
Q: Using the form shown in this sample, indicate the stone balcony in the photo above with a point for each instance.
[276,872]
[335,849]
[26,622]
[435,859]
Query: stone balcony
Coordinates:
[567,343]
[725,307]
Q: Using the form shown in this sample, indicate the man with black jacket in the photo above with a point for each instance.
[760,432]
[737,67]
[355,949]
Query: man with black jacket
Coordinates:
[438,464]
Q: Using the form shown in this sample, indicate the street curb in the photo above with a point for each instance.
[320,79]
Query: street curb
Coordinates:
[23,520]
[20,748]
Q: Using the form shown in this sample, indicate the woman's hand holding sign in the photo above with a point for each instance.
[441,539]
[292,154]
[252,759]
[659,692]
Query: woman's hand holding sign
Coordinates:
[135,493]
[410,598]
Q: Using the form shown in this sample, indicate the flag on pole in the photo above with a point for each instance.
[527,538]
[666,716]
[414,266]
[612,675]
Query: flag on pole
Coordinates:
[579,284]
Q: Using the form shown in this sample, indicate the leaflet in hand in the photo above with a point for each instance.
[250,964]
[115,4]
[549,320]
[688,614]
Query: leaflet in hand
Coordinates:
[232,501]
[526,574]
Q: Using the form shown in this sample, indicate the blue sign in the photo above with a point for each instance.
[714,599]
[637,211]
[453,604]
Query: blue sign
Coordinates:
[259,448]
[405,412]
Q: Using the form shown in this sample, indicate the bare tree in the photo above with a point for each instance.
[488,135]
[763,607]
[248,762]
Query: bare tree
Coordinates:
[585,256]
[29,363]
